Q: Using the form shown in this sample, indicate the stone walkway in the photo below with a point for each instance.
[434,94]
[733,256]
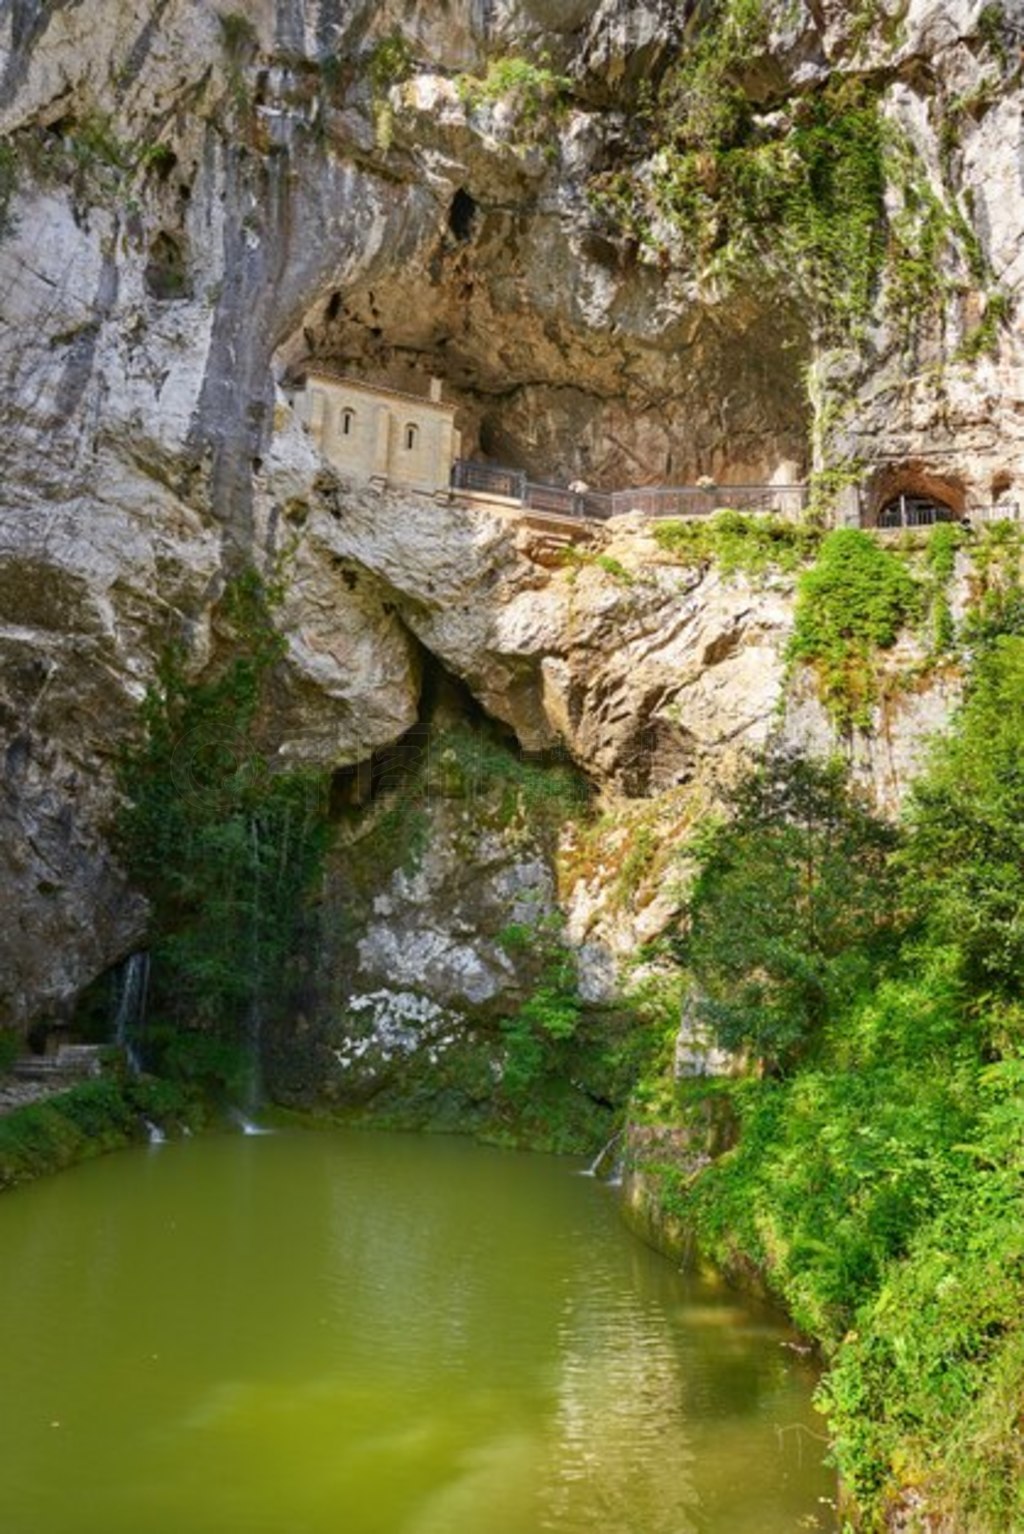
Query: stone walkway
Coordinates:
[34,1078]
[16,1094]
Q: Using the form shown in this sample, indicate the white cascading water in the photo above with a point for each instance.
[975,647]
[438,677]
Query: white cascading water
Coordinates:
[247,1125]
[130,1014]
[594,1169]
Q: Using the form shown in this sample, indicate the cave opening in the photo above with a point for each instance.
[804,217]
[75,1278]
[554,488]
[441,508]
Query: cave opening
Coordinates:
[446,704]
[462,215]
[542,387]
[166,274]
[912,494]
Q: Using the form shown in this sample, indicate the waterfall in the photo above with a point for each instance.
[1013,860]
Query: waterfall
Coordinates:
[155,1133]
[594,1169]
[132,989]
[246,1125]
[254,1021]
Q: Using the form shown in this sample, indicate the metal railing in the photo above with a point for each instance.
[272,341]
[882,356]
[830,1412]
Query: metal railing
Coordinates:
[999,511]
[696,501]
[485,479]
[907,513]
[913,511]
[659,502]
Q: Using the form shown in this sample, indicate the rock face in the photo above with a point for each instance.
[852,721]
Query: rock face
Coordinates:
[192,202]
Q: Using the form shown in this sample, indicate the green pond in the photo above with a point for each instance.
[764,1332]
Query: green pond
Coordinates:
[344,1333]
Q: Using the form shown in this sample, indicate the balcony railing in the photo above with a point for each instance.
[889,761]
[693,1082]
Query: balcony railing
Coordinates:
[663,502]
[486,479]
[660,502]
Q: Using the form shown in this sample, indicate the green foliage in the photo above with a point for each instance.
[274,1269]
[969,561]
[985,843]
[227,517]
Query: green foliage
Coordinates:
[998,599]
[927,1389]
[157,157]
[549,1017]
[398,838]
[238,34]
[792,910]
[10,1048]
[469,764]
[992,29]
[966,852]
[828,484]
[637,863]
[944,541]
[84,153]
[933,248]
[983,340]
[878,1186]
[738,543]
[533,92]
[225,849]
[8,187]
[581,559]
[86,1121]
[803,197]
[217,1068]
[794,194]
[89,154]
[853,602]
[390,63]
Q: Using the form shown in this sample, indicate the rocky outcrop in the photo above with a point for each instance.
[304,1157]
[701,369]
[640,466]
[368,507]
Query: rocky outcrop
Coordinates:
[193,202]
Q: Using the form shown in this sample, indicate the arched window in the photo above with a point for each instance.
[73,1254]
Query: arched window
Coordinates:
[411,436]
[348,417]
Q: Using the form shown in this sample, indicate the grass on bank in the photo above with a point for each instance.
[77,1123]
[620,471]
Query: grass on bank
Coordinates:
[87,1121]
[875,1178]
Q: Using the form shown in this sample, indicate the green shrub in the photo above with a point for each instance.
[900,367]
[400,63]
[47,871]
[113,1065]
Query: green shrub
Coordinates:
[47,1136]
[793,909]
[533,92]
[738,543]
[966,851]
[390,62]
[550,1016]
[877,1186]
[851,604]
[940,557]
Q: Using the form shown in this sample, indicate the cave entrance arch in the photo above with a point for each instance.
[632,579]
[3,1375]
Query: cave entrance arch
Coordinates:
[911,495]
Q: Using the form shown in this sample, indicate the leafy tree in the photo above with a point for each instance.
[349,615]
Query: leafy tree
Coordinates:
[965,854]
[224,848]
[793,907]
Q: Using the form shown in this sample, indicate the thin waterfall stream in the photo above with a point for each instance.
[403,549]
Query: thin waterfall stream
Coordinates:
[131,995]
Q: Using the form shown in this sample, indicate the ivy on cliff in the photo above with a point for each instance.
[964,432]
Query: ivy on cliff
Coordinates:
[737,195]
[735,189]
[225,849]
[851,604]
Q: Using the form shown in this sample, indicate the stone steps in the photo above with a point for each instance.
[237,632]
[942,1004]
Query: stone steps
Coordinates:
[74,1061]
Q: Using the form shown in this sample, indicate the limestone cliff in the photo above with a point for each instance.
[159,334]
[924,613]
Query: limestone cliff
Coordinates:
[195,200]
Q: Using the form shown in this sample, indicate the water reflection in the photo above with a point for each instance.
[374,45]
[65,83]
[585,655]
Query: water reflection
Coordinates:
[303,1334]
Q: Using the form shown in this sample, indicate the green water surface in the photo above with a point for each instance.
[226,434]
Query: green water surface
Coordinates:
[379,1334]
